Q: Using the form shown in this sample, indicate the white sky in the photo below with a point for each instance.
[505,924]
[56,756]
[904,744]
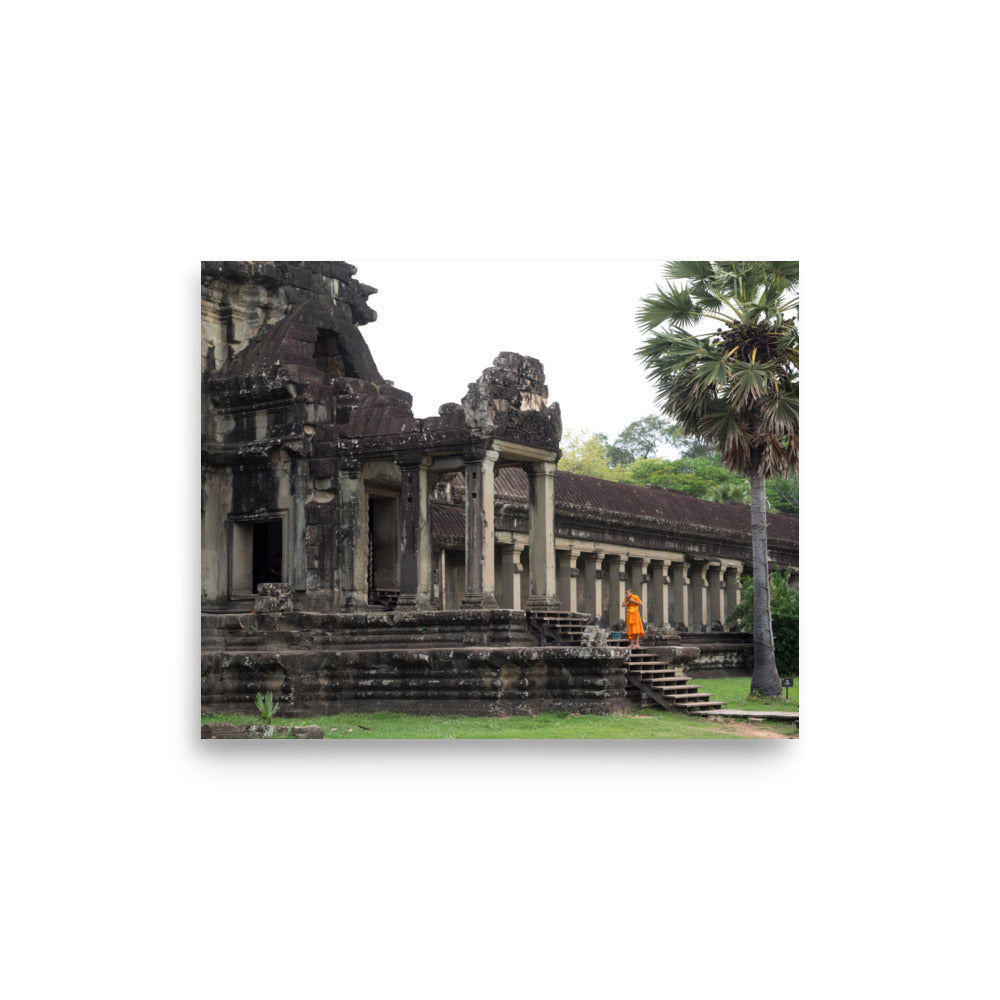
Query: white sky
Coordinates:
[440,323]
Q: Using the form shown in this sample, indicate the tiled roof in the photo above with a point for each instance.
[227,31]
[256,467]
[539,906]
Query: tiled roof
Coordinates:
[447,521]
[624,499]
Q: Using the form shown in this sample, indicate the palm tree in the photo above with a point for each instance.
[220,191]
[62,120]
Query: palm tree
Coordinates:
[734,491]
[736,388]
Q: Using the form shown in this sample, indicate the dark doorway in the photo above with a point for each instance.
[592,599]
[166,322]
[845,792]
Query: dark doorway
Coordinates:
[383,551]
[267,554]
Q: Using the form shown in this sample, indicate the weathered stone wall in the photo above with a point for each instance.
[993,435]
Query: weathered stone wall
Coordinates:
[375,629]
[472,681]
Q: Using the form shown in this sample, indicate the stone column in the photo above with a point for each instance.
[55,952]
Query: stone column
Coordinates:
[510,575]
[658,593]
[414,533]
[639,581]
[716,604]
[699,596]
[438,580]
[299,486]
[616,588]
[480,582]
[352,539]
[590,600]
[679,583]
[216,502]
[542,537]
[731,584]
[567,578]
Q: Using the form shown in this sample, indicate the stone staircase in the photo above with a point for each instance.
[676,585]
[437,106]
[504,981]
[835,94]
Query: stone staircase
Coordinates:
[664,683]
[657,680]
[561,628]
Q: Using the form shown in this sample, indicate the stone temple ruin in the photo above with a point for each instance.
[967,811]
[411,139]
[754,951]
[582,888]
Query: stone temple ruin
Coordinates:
[356,556]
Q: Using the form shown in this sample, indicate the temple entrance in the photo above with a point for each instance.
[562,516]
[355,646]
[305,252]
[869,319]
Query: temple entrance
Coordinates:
[383,551]
[267,555]
[257,555]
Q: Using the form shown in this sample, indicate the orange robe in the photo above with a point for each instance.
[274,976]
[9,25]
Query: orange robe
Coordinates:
[633,623]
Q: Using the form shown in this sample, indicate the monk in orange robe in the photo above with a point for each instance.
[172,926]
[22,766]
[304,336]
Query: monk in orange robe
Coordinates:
[633,623]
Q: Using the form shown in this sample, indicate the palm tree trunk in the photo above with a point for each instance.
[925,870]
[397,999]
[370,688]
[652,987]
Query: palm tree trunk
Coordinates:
[765,679]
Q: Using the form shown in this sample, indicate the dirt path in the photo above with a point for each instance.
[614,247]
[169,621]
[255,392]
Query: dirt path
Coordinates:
[753,730]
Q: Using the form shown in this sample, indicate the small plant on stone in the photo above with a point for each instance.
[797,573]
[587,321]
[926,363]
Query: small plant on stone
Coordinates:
[266,707]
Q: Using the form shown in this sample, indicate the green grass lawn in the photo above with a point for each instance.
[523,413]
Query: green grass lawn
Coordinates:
[639,724]
[735,692]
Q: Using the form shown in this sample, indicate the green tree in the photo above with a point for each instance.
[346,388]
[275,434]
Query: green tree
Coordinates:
[736,388]
[587,455]
[696,476]
[783,494]
[641,439]
[737,490]
[784,616]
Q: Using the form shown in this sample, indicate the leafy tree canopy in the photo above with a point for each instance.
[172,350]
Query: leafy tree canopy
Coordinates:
[695,476]
[642,439]
[699,471]
[783,494]
[587,455]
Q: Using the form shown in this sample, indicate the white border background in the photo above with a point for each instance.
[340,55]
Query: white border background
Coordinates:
[143,862]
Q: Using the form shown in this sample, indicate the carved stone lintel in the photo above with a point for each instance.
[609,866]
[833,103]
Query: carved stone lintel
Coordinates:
[409,459]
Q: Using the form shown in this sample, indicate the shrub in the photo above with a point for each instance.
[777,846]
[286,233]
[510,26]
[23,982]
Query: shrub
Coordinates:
[784,620]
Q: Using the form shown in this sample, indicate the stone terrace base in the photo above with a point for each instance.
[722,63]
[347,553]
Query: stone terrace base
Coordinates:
[366,629]
[466,681]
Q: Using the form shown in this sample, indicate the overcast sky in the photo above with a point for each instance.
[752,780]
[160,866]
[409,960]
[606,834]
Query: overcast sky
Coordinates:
[441,323]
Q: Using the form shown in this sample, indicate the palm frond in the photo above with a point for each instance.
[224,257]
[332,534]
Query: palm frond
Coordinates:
[673,306]
[684,270]
[749,381]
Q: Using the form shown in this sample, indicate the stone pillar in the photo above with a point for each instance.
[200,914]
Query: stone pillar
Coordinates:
[352,540]
[216,502]
[414,533]
[438,580]
[639,581]
[731,584]
[480,582]
[590,601]
[616,588]
[567,574]
[510,575]
[542,537]
[698,594]
[679,584]
[716,603]
[299,486]
[658,592]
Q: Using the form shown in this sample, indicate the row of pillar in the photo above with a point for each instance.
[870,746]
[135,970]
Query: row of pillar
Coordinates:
[692,594]
[480,563]
[685,593]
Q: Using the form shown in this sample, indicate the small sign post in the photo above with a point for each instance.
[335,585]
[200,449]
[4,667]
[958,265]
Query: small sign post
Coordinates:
[786,683]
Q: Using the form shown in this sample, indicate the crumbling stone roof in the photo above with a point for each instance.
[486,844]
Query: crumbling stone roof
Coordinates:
[304,276]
